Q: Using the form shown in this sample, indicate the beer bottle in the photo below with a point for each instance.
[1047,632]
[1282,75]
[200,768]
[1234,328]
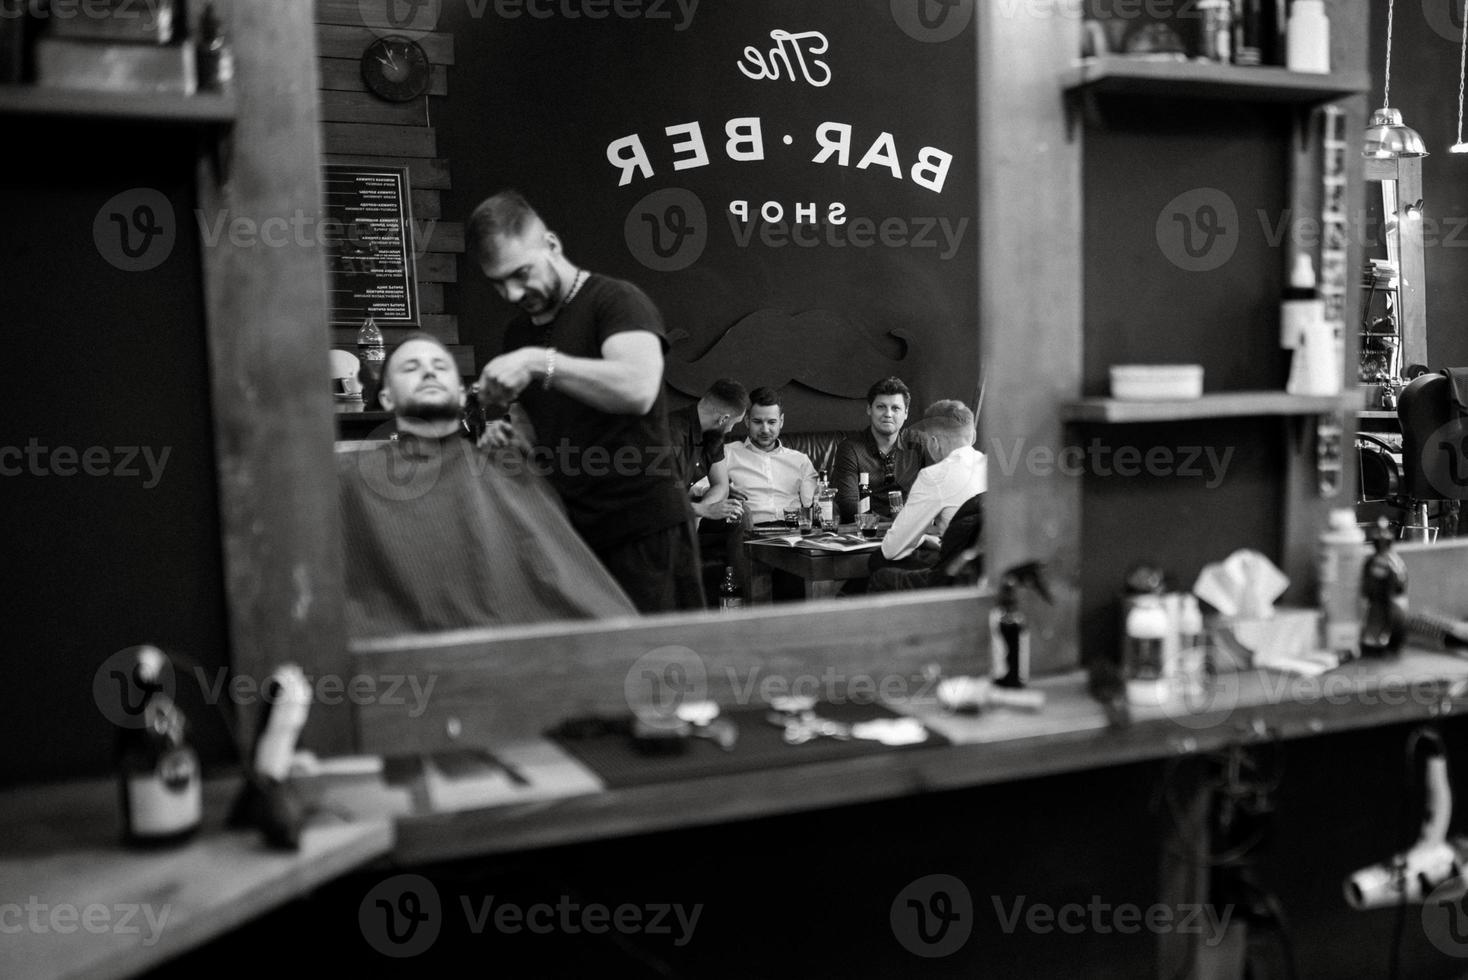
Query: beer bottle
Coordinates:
[729,595]
[157,767]
[863,495]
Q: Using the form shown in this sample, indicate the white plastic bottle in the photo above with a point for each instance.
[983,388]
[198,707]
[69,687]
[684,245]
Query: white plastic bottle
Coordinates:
[1308,42]
[1341,551]
[1316,366]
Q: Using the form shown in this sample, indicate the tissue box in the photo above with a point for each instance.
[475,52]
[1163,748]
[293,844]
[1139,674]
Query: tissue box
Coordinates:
[1288,641]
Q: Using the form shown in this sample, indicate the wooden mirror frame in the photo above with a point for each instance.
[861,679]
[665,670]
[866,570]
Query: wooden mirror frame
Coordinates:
[274,428]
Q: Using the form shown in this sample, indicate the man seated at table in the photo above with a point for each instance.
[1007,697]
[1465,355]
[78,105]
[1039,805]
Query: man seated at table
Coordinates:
[955,473]
[879,450]
[960,558]
[439,534]
[766,475]
[696,434]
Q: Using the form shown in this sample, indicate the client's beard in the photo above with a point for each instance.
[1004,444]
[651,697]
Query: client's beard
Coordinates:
[430,411]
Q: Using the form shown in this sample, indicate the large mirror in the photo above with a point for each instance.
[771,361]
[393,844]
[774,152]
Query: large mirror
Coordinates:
[795,189]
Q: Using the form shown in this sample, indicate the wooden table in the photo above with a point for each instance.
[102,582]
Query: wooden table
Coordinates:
[77,903]
[822,573]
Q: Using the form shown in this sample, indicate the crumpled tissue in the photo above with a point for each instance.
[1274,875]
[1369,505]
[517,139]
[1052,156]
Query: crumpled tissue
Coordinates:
[1242,586]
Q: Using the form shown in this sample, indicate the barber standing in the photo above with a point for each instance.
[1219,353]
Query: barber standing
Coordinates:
[582,374]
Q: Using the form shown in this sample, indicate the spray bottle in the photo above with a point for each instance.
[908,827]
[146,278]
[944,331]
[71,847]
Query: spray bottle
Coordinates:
[1009,632]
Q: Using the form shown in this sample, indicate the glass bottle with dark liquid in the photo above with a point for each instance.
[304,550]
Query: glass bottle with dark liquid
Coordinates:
[157,767]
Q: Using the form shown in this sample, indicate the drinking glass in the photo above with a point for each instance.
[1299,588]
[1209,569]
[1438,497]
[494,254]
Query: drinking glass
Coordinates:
[792,517]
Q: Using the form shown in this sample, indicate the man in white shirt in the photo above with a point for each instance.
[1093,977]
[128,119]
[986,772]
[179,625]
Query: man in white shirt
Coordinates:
[955,473]
[767,476]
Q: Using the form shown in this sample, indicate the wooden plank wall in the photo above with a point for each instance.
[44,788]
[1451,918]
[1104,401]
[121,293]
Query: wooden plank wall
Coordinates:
[359,128]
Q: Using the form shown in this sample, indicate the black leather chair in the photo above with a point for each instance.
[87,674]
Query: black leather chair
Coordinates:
[1433,413]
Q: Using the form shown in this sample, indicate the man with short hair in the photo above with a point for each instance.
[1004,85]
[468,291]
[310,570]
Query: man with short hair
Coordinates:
[879,450]
[697,434]
[769,476]
[956,473]
[582,376]
[441,535]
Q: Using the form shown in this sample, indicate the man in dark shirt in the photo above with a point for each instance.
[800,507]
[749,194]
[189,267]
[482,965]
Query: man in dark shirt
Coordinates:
[697,434]
[440,535]
[879,450]
[582,377]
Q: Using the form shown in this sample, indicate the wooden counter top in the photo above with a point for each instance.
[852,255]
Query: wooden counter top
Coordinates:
[1071,733]
[76,903]
[61,863]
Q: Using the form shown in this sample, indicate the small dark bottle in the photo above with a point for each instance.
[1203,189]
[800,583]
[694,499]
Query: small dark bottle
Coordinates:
[1009,631]
[1249,32]
[214,57]
[157,768]
[729,595]
[1383,597]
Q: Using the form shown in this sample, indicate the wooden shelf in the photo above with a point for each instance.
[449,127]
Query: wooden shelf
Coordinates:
[1208,80]
[1219,405]
[203,109]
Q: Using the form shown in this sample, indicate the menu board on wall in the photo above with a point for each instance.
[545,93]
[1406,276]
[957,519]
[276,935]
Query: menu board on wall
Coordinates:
[368,235]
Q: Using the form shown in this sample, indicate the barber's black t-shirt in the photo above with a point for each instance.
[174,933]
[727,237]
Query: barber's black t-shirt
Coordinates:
[614,472]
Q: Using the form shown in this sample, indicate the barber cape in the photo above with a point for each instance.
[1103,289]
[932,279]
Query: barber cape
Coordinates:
[440,535]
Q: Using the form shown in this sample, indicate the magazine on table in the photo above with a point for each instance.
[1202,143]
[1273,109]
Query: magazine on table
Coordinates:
[825,540]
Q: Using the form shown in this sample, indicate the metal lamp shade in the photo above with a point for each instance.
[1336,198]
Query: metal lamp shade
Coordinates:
[1387,137]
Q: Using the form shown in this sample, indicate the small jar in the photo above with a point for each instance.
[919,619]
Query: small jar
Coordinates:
[1147,628]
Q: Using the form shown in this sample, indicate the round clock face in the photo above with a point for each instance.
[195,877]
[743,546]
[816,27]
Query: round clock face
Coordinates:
[395,68]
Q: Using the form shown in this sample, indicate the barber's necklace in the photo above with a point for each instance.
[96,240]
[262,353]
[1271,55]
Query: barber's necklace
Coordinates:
[547,318]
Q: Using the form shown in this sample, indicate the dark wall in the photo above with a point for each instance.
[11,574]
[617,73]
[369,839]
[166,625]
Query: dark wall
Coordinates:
[112,362]
[535,103]
[1425,59]
[1218,485]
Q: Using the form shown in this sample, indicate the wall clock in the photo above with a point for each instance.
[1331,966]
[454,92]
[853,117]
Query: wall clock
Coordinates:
[395,68]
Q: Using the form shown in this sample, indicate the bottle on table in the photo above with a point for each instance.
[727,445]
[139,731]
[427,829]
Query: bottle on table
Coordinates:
[1341,552]
[157,766]
[1383,597]
[371,351]
[866,520]
[826,504]
[730,597]
[1146,636]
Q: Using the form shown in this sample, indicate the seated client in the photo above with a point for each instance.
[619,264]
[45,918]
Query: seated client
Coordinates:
[766,475]
[439,534]
[955,473]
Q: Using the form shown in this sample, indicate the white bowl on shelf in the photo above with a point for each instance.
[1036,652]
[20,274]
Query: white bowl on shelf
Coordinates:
[1156,382]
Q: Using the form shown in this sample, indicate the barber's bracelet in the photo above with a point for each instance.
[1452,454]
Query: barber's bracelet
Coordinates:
[550,368]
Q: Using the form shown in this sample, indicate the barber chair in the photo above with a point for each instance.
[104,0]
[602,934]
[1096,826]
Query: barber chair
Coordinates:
[1379,481]
[1433,412]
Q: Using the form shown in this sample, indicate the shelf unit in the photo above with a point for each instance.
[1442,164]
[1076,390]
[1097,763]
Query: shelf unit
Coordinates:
[1231,404]
[1210,80]
[203,109]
